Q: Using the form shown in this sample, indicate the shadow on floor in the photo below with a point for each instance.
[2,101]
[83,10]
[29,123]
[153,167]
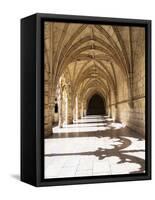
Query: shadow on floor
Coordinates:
[118,151]
[111,132]
[121,134]
[16,176]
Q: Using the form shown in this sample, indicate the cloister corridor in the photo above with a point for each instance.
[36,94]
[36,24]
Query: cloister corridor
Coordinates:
[94,99]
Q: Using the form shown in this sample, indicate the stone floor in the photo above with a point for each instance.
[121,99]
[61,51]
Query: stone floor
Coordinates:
[93,146]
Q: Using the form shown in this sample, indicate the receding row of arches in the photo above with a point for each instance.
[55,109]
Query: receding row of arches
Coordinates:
[69,107]
[96,106]
[93,70]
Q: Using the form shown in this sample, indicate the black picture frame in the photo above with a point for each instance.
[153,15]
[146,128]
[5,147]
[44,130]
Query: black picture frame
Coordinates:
[32,99]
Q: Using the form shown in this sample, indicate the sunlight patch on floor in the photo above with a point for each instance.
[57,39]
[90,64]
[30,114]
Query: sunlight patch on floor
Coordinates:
[113,152]
[90,124]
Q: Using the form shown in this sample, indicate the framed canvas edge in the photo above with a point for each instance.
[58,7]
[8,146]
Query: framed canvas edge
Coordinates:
[39,96]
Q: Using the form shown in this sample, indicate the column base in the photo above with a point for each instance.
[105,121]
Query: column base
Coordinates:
[48,133]
[70,122]
[60,126]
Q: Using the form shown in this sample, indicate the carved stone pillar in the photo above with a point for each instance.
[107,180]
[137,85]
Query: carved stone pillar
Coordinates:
[48,104]
[110,106]
[76,109]
[84,109]
[130,89]
[69,108]
[79,109]
[60,110]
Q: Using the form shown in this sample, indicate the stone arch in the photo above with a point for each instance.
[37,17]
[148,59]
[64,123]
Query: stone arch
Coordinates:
[96,105]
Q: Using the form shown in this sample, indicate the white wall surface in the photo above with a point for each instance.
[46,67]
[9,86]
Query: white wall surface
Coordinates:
[10,14]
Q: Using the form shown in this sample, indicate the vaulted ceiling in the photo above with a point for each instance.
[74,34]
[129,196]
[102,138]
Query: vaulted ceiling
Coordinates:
[90,57]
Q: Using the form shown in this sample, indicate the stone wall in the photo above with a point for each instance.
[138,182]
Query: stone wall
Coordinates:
[132,115]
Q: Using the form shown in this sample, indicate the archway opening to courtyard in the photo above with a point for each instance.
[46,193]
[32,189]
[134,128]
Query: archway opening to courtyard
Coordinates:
[96,105]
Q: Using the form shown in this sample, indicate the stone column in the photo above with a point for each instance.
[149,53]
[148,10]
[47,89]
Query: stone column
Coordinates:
[110,106]
[77,108]
[74,112]
[84,109]
[51,107]
[69,108]
[48,104]
[46,101]
[60,110]
[81,111]
[130,89]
